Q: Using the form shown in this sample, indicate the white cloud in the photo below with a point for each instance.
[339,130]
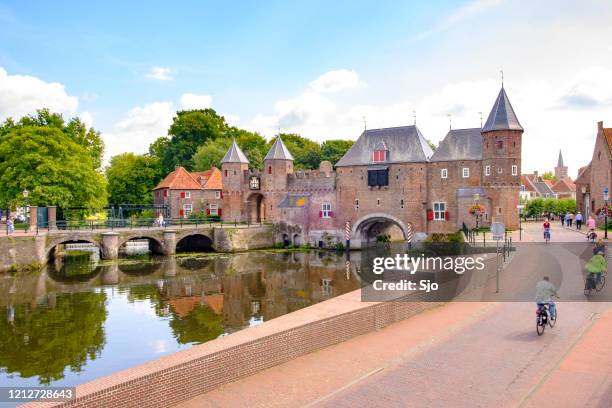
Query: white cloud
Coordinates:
[87,118]
[465,12]
[23,94]
[160,74]
[140,127]
[337,80]
[193,101]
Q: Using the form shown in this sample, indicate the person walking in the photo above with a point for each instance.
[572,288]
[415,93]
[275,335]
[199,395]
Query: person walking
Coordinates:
[578,221]
[562,218]
[10,225]
[568,219]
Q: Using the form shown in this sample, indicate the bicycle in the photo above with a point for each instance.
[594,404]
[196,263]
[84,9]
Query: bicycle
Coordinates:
[590,284]
[543,318]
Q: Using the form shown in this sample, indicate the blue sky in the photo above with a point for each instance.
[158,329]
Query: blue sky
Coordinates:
[314,67]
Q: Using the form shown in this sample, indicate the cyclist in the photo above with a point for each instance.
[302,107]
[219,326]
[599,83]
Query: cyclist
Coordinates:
[545,291]
[596,265]
[546,227]
[600,248]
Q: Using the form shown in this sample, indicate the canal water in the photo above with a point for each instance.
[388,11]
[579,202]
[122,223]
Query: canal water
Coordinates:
[77,320]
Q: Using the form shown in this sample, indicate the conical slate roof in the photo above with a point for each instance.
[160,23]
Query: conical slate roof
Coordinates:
[234,155]
[560,162]
[502,116]
[278,151]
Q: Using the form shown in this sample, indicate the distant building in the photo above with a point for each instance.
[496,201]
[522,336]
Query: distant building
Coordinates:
[185,193]
[597,175]
[534,185]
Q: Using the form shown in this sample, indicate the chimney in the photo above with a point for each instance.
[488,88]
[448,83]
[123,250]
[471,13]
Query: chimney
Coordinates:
[600,125]
[535,173]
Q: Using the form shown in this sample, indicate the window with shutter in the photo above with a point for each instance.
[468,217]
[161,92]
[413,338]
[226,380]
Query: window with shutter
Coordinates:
[378,177]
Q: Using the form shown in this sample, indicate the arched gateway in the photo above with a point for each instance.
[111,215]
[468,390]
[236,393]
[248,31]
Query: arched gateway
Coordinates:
[368,227]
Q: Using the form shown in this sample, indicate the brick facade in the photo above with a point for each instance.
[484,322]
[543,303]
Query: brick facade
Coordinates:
[419,190]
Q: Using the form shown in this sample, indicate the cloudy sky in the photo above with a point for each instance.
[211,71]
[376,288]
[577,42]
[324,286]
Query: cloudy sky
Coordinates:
[315,67]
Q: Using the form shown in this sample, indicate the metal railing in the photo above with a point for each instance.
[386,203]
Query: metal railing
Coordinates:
[127,224]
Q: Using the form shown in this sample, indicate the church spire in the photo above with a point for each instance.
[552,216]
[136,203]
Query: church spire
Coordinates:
[502,116]
[560,161]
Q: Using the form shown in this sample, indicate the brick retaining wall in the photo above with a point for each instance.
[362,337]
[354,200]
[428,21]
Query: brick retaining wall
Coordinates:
[186,374]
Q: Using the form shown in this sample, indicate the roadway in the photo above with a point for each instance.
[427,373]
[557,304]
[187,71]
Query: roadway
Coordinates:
[463,354]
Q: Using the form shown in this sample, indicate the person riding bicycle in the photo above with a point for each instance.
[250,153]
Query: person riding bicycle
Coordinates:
[600,248]
[596,266]
[546,227]
[545,292]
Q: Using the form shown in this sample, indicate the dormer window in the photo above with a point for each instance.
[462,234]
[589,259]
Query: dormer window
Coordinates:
[379,156]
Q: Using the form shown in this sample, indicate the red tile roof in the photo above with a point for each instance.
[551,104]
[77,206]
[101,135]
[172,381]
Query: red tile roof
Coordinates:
[608,135]
[564,186]
[526,181]
[179,179]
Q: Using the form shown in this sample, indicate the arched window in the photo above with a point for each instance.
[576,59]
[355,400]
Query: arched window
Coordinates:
[269,169]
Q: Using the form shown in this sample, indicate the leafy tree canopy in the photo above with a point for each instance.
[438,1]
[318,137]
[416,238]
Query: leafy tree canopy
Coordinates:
[52,163]
[131,178]
[189,130]
[548,176]
[333,150]
[306,153]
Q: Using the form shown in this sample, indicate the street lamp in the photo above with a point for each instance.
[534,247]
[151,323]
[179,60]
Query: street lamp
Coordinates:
[477,213]
[605,191]
[26,193]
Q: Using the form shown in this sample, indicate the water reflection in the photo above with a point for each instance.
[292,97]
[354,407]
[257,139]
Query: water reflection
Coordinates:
[76,321]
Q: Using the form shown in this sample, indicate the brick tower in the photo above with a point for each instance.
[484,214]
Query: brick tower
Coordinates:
[278,164]
[234,169]
[501,172]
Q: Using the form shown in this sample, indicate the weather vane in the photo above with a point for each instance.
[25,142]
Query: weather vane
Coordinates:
[502,77]
[365,123]
[450,121]
[414,116]
[480,113]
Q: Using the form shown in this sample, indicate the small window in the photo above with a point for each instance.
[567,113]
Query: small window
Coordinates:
[379,156]
[514,170]
[487,170]
[187,194]
[499,144]
[214,209]
[187,208]
[356,203]
[466,172]
[377,178]
[269,169]
[439,211]
[402,203]
[444,173]
[225,173]
[326,210]
[234,172]
[500,170]
[217,195]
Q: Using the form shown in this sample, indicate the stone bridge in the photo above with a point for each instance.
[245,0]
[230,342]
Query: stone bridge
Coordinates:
[23,252]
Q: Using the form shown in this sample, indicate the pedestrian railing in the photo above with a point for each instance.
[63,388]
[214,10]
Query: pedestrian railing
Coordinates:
[122,224]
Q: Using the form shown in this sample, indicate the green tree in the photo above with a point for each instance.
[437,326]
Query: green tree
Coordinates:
[306,153]
[432,145]
[131,178]
[44,341]
[333,150]
[212,151]
[56,169]
[158,147]
[75,129]
[189,130]
[534,207]
[548,176]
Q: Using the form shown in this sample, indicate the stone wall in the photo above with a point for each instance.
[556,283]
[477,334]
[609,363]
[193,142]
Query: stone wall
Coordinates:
[22,253]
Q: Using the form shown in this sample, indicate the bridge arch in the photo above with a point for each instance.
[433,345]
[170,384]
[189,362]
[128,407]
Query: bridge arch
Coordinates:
[155,245]
[194,243]
[51,248]
[368,227]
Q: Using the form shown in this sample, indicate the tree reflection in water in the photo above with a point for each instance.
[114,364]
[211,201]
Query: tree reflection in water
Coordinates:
[42,341]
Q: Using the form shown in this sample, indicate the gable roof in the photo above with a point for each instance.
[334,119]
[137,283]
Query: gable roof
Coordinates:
[209,179]
[527,182]
[543,189]
[564,185]
[502,116]
[179,179]
[278,151]
[234,155]
[405,144]
[460,144]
